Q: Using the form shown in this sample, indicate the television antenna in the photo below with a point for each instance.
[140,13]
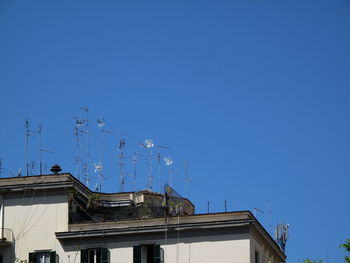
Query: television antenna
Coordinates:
[98,170]
[187,177]
[257,210]
[19,173]
[78,133]
[28,133]
[158,158]
[41,150]
[82,159]
[148,146]
[32,168]
[86,165]
[135,159]
[269,211]
[169,162]
[121,158]
[2,169]
[101,123]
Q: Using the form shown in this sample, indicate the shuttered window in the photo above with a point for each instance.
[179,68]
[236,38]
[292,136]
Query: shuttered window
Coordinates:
[43,257]
[148,254]
[157,258]
[94,255]
[137,254]
[104,255]
[257,257]
[32,258]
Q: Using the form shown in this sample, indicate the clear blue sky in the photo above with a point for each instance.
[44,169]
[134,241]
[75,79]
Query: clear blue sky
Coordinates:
[254,93]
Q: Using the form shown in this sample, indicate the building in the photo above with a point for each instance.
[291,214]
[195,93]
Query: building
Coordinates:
[55,218]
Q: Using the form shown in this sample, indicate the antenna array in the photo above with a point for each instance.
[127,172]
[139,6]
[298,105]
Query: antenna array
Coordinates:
[282,235]
[83,167]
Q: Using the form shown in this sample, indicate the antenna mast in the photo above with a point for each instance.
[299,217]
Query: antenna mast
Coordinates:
[282,235]
[121,157]
[41,149]
[86,166]
[135,159]
[27,145]
[169,162]
[187,177]
[28,133]
[40,146]
[79,123]
[1,168]
[99,166]
[159,161]
[148,145]
[98,169]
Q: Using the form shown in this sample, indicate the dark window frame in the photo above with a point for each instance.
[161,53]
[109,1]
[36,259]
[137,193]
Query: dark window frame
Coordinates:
[155,254]
[104,254]
[257,256]
[33,256]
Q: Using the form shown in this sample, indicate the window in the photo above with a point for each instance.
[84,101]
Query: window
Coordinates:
[257,257]
[94,255]
[43,257]
[148,254]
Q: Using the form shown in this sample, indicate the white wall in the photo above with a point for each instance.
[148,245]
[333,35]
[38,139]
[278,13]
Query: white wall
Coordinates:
[233,248]
[201,250]
[34,217]
[265,255]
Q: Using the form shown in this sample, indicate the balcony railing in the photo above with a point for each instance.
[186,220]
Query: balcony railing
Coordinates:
[6,236]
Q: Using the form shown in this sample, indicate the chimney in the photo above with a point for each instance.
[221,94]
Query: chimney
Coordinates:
[55,169]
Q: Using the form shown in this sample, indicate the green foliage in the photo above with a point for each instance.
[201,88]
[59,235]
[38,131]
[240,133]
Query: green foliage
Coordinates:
[346,246]
[71,194]
[313,261]
[93,200]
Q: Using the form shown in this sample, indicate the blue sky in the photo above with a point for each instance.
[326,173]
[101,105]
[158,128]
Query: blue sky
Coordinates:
[255,94]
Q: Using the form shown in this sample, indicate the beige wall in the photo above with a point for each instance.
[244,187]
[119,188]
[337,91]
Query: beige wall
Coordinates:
[265,254]
[196,250]
[233,248]
[34,217]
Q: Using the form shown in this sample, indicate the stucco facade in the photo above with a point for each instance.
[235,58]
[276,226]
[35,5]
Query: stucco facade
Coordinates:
[35,215]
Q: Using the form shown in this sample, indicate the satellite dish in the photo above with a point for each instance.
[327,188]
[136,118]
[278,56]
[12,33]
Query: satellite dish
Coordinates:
[168,161]
[149,143]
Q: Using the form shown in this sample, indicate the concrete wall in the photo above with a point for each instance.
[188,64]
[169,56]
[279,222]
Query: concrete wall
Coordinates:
[231,248]
[228,248]
[34,217]
[265,254]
